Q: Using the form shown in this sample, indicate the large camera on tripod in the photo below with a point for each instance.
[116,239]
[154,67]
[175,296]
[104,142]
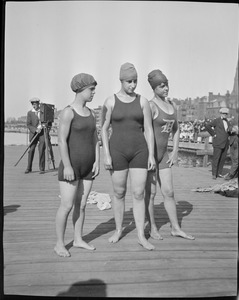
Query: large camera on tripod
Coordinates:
[47,112]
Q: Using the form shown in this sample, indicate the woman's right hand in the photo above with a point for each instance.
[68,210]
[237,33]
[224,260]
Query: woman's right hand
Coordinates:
[69,173]
[108,162]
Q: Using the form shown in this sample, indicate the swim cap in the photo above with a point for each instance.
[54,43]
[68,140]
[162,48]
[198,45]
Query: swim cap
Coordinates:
[81,81]
[156,77]
[128,72]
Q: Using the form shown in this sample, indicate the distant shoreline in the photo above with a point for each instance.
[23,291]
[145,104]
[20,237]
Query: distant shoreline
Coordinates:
[15,137]
[20,130]
[23,130]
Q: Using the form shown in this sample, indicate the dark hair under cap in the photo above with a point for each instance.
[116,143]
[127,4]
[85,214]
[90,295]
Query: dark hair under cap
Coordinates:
[81,81]
[156,77]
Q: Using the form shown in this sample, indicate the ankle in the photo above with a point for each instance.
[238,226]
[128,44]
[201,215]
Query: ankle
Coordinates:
[175,228]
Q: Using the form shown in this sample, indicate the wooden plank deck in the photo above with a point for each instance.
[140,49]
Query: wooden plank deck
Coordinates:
[206,267]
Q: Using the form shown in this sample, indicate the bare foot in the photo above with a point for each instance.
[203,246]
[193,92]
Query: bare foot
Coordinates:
[62,251]
[144,243]
[115,237]
[154,233]
[83,244]
[182,234]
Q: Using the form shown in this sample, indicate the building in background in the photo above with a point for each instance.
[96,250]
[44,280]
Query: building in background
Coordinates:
[207,107]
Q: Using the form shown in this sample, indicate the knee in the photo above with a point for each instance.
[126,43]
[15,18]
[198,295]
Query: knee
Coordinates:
[138,194]
[119,193]
[168,193]
[66,207]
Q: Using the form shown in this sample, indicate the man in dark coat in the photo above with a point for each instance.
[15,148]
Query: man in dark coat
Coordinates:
[219,130]
[233,150]
[35,127]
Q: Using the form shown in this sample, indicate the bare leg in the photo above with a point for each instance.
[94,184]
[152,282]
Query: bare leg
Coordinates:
[78,216]
[150,193]
[68,191]
[166,184]
[119,180]
[138,180]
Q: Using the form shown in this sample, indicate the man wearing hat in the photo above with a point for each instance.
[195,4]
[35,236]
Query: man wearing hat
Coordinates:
[219,130]
[233,173]
[35,128]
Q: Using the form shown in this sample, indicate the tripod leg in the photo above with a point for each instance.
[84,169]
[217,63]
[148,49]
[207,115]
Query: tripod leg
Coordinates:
[51,152]
[26,149]
[52,157]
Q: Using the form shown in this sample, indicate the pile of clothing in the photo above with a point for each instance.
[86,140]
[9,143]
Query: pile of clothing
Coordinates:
[101,199]
[228,189]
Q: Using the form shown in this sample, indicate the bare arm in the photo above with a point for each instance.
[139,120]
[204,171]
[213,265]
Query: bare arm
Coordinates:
[176,135]
[96,166]
[106,120]
[154,111]
[63,132]
[173,156]
[148,129]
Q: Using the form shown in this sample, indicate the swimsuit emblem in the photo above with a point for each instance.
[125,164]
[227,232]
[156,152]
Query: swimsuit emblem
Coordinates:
[168,126]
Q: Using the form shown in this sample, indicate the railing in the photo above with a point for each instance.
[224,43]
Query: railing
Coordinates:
[203,148]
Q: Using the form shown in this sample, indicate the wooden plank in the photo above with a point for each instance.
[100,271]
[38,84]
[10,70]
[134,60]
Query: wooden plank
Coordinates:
[130,266]
[204,152]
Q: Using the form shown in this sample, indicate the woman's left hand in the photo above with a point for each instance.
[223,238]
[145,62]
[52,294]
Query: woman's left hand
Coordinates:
[96,169]
[151,163]
[173,158]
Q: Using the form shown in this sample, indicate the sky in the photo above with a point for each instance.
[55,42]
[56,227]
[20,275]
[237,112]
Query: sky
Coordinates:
[48,42]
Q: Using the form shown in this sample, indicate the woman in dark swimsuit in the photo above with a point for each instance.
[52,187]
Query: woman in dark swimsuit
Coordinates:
[79,150]
[164,122]
[129,150]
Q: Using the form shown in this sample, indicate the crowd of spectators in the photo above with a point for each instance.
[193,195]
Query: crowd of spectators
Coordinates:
[194,131]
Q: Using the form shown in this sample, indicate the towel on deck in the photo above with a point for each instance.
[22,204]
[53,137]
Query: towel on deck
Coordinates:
[101,199]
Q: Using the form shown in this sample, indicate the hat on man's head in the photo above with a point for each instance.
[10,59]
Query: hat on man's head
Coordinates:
[224,110]
[128,72]
[35,99]
[81,81]
[156,77]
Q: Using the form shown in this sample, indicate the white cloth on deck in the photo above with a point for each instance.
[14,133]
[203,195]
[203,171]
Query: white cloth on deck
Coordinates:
[101,199]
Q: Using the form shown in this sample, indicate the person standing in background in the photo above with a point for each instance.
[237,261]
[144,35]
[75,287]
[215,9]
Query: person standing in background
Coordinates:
[233,149]
[219,130]
[35,127]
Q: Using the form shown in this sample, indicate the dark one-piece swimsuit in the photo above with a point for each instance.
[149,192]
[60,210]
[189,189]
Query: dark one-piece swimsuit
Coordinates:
[81,147]
[128,147]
